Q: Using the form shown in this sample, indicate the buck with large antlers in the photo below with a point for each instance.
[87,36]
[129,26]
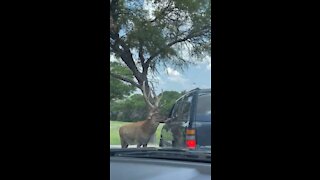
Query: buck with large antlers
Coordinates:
[139,133]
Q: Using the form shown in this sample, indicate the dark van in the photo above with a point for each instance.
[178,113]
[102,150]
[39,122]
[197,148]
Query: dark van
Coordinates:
[190,122]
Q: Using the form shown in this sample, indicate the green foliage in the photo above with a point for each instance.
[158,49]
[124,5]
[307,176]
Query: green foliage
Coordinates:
[134,108]
[119,89]
[188,22]
[167,101]
[131,109]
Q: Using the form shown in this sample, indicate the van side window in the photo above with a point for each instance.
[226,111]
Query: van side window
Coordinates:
[204,107]
[175,109]
[185,109]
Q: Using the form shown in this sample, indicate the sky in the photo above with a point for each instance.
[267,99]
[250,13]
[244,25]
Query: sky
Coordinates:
[196,76]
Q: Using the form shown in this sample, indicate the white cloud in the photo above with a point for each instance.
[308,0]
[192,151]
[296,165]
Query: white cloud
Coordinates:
[172,72]
[207,60]
[113,58]
[174,75]
[150,7]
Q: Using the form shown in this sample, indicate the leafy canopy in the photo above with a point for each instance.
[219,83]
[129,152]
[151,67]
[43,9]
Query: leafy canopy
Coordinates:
[174,32]
[119,89]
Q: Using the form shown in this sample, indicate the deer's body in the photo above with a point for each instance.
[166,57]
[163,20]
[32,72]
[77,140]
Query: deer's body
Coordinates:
[138,133]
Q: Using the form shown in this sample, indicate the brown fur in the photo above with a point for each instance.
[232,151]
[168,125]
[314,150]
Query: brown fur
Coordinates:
[137,133]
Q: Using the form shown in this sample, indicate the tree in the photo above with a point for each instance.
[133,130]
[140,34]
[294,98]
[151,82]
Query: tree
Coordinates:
[144,42]
[168,100]
[119,89]
[133,108]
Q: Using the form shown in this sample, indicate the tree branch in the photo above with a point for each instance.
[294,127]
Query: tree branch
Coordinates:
[190,36]
[114,14]
[163,12]
[116,49]
[126,56]
[141,53]
[123,78]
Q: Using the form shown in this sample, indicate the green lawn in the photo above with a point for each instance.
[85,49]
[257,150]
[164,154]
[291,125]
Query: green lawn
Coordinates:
[114,132]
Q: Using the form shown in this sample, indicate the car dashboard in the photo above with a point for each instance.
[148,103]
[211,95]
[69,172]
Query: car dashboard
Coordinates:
[123,168]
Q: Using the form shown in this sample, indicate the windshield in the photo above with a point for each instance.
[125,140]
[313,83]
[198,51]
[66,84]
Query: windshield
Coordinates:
[160,77]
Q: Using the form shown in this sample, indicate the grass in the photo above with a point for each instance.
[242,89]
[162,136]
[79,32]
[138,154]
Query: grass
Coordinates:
[114,132]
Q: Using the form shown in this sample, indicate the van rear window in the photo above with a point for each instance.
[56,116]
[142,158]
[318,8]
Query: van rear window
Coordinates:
[204,107]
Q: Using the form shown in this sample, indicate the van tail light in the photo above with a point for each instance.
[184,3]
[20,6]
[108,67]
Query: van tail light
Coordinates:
[191,139]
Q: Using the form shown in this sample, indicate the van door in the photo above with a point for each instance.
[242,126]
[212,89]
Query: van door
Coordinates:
[167,139]
[203,119]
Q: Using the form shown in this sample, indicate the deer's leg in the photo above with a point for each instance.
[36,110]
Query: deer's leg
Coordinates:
[124,144]
[139,145]
[145,145]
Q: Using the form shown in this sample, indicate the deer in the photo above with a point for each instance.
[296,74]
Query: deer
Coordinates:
[140,133]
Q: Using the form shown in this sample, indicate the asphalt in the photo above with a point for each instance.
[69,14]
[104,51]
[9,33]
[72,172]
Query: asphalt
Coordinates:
[133,146]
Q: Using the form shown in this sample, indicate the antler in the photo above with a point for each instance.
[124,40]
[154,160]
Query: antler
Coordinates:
[151,90]
[145,94]
[159,98]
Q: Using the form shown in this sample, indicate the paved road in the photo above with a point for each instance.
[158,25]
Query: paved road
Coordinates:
[133,146]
